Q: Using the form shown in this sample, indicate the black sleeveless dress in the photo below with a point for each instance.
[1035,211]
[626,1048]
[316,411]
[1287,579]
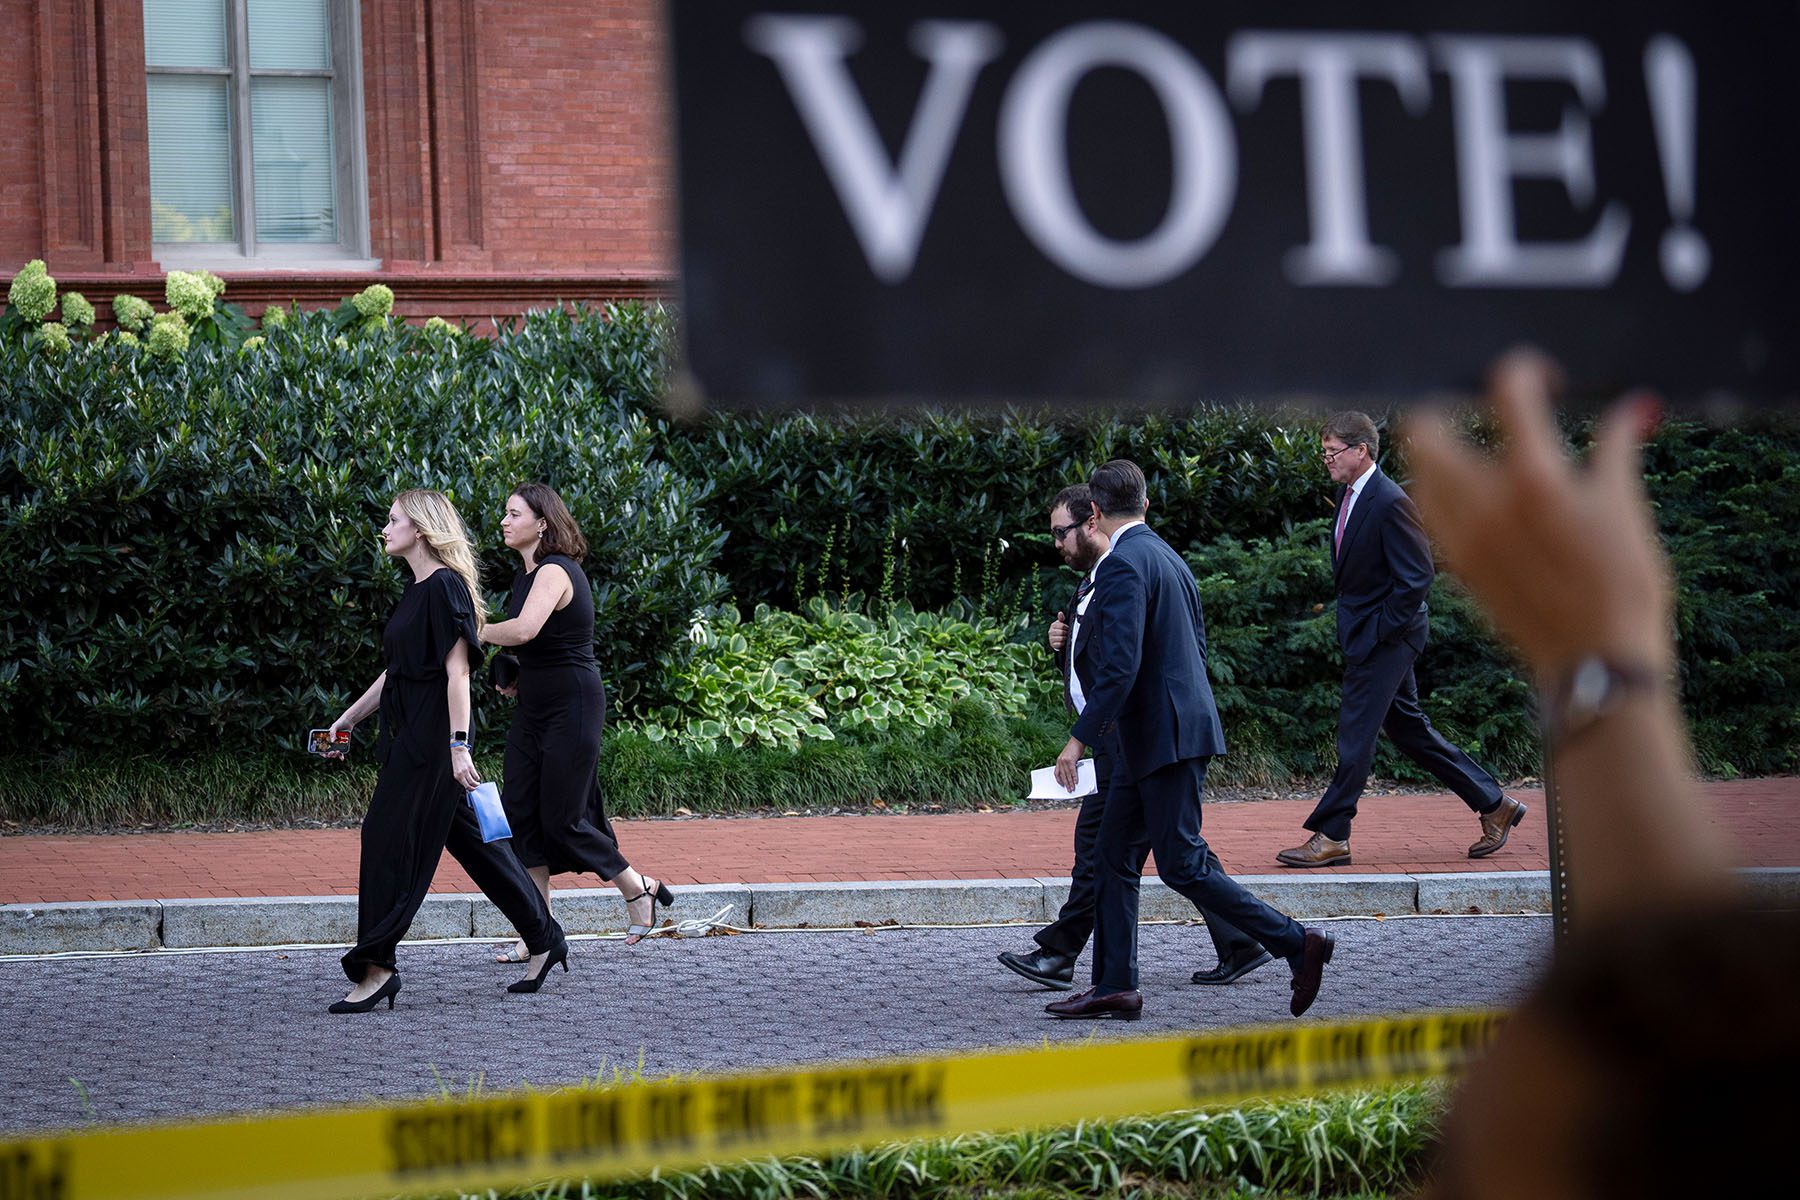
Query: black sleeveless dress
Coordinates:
[552,793]
[419,809]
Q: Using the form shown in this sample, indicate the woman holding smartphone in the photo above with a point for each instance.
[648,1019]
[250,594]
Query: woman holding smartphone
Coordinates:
[552,792]
[420,807]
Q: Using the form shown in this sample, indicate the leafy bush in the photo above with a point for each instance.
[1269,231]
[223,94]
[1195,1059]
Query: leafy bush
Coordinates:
[951,506]
[975,757]
[1271,624]
[782,677]
[956,487]
[188,555]
[130,312]
[32,293]
[190,545]
[1333,1145]
[77,312]
[1728,503]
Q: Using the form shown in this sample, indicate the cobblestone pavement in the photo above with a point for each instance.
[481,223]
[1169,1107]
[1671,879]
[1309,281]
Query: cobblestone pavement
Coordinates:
[170,1035]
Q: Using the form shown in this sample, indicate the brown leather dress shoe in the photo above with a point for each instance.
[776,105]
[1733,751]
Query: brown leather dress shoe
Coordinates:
[1311,971]
[1122,1006]
[1317,851]
[1496,826]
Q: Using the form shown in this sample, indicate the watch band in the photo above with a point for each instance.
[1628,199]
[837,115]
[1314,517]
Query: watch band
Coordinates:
[1591,689]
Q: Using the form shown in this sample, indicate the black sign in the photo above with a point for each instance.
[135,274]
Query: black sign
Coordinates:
[1171,202]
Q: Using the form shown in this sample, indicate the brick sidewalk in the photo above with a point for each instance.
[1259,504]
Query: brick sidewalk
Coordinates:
[1402,834]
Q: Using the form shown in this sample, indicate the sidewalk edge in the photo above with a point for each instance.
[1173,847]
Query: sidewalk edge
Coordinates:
[124,925]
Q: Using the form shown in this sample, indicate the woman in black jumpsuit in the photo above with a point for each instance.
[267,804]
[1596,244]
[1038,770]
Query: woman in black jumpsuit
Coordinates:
[552,789]
[420,807]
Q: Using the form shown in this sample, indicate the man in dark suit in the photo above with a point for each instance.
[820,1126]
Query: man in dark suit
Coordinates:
[1147,701]
[1075,531]
[1382,564]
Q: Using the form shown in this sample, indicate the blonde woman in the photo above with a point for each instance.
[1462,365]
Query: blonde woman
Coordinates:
[420,807]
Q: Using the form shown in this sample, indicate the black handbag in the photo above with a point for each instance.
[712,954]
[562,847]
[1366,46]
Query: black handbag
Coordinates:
[503,668]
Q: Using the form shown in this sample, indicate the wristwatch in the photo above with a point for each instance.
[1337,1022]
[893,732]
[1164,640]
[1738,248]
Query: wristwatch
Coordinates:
[1590,690]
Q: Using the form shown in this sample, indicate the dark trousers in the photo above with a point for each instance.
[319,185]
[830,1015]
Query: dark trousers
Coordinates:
[1381,695]
[400,851]
[1163,808]
[1074,923]
[552,791]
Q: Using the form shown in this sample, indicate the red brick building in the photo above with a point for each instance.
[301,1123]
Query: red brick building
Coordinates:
[480,157]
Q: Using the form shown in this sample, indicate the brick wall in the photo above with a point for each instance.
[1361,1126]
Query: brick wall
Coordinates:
[508,141]
[21,217]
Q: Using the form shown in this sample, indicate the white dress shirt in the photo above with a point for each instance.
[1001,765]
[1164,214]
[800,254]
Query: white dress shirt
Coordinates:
[1076,696]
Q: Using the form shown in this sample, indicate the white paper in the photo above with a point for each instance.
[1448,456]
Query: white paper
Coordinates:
[1045,787]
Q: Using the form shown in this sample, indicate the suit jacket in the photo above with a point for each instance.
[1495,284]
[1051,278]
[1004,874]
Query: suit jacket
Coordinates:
[1142,660]
[1383,571]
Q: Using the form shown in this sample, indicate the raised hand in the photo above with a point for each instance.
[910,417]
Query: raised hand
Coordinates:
[1564,557]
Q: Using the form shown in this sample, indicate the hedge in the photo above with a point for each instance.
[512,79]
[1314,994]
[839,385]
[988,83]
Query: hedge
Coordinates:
[188,549]
[188,561]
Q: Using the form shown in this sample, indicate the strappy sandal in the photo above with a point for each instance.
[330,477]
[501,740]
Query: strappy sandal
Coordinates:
[512,954]
[660,894]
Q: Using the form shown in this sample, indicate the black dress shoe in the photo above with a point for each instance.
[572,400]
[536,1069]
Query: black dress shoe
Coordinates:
[1042,966]
[1234,968]
[1311,971]
[1121,1006]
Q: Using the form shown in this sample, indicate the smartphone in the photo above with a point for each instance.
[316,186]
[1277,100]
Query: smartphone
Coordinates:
[322,743]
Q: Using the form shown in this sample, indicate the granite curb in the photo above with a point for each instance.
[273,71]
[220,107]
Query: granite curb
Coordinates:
[122,925]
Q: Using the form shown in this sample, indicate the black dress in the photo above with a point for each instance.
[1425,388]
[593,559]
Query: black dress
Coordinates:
[552,793]
[419,808]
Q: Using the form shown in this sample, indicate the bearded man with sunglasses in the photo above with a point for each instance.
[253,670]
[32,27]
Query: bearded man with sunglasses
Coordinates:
[1076,534]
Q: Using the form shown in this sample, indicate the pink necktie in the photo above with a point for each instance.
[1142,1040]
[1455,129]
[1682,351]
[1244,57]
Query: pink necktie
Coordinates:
[1343,516]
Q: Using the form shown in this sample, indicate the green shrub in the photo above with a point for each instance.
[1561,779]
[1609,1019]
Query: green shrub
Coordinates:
[1728,503]
[168,335]
[76,311]
[976,757]
[189,544]
[53,336]
[1276,670]
[956,486]
[193,293]
[1365,1143]
[129,312]
[188,552]
[782,678]
[32,293]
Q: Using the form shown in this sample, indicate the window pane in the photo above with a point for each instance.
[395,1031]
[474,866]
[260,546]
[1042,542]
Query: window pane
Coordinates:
[290,34]
[185,33]
[190,159]
[296,172]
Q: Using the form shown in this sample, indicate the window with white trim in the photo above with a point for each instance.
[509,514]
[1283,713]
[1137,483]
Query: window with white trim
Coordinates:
[256,147]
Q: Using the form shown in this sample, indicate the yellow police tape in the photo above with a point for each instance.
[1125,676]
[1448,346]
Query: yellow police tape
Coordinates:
[519,1138]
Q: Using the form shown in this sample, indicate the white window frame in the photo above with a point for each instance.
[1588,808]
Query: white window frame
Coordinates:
[351,252]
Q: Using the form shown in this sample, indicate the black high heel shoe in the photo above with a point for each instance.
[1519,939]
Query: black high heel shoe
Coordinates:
[558,953]
[386,991]
[660,894]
